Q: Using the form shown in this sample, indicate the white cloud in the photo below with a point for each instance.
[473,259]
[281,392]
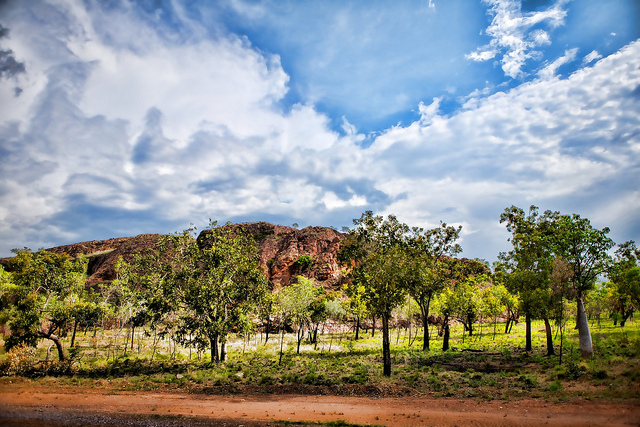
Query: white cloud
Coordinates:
[178,130]
[545,142]
[511,32]
[550,70]
[592,56]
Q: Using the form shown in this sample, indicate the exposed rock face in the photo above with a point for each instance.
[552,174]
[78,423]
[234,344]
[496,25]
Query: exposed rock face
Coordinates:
[280,251]
[103,254]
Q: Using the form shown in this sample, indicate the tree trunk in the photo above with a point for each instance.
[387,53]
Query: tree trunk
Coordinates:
[528,346]
[315,336]
[281,346]
[56,340]
[373,327]
[73,336]
[266,332]
[425,335]
[445,338]
[357,327]
[584,333]
[625,316]
[213,341]
[300,337]
[223,351]
[547,327]
[424,308]
[386,347]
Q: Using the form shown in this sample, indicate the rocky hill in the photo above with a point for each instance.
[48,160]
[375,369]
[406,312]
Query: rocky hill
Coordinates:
[285,252]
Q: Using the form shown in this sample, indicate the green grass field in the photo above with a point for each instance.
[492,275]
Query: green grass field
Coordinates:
[480,367]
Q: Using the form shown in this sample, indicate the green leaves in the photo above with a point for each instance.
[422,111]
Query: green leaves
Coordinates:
[206,285]
[583,247]
[45,287]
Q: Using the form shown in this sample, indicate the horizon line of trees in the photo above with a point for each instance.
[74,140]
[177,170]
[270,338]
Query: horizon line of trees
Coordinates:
[200,290]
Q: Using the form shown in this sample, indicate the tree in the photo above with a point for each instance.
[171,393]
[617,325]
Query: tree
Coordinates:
[493,303]
[208,285]
[624,288]
[356,305]
[585,249]
[377,251]
[5,292]
[461,298]
[528,265]
[432,269]
[84,312]
[40,307]
[508,299]
[467,301]
[295,305]
[561,292]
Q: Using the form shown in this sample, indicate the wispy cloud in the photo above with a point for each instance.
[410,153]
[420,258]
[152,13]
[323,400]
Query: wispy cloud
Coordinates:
[550,70]
[592,56]
[514,36]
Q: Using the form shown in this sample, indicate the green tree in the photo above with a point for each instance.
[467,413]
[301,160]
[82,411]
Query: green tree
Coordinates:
[40,305]
[84,311]
[585,249]
[433,267]
[624,286]
[5,292]
[527,267]
[467,300]
[206,285]
[355,304]
[377,251]
[295,305]
[561,293]
[508,299]
[493,303]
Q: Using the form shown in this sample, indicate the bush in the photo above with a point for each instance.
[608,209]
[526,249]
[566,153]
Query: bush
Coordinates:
[555,386]
[19,360]
[304,261]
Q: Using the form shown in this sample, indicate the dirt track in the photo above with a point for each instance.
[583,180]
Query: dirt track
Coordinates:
[35,406]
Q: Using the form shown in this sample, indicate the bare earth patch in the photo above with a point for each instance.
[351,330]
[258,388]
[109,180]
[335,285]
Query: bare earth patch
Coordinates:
[39,405]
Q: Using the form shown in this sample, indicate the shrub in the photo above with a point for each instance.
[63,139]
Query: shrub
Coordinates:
[304,261]
[19,360]
[555,386]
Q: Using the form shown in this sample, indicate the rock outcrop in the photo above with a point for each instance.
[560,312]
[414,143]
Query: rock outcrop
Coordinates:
[103,254]
[285,253]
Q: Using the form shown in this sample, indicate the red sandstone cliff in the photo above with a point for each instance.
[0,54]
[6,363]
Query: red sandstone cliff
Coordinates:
[279,246]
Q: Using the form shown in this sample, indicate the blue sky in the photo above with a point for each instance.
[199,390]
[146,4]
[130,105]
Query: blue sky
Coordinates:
[126,117]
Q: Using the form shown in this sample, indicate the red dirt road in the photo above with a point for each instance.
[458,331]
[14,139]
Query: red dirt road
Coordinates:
[44,403]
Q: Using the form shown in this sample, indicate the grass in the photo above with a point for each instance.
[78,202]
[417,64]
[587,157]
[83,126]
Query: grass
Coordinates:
[480,367]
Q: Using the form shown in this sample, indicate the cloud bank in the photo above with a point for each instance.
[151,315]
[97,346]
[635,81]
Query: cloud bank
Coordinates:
[128,123]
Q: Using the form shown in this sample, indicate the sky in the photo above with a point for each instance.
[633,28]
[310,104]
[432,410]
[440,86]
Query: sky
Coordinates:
[119,117]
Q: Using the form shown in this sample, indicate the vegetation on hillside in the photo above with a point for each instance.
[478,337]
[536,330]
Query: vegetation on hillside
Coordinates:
[199,314]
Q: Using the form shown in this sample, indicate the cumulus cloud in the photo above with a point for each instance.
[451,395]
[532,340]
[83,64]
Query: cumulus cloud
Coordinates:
[549,142]
[126,129]
[513,34]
